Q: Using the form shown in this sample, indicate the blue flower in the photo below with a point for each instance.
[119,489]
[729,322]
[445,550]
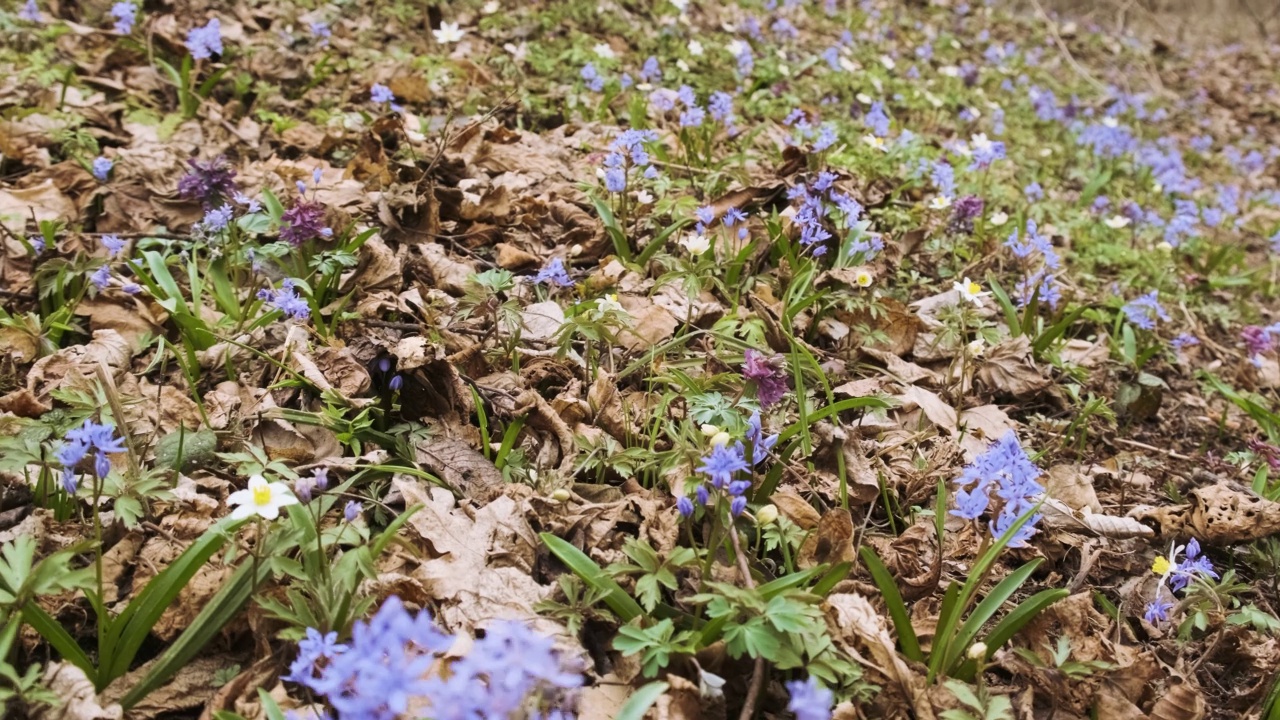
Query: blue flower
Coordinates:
[761,444]
[685,506]
[877,120]
[1157,611]
[79,442]
[102,168]
[380,94]
[722,463]
[286,300]
[1192,564]
[30,12]
[1005,470]
[321,31]
[809,700]
[650,71]
[351,511]
[205,42]
[1144,311]
[101,277]
[692,117]
[113,244]
[1033,191]
[592,77]
[615,180]
[217,219]
[125,14]
[553,273]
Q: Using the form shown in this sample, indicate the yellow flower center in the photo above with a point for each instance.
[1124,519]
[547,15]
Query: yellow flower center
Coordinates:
[1160,566]
[974,288]
[262,494]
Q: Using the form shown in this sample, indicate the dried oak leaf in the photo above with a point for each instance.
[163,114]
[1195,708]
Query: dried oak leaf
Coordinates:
[77,699]
[77,365]
[1179,701]
[796,509]
[447,273]
[461,466]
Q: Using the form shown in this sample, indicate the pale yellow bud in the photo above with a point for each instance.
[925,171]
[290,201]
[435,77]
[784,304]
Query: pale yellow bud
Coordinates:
[767,515]
[721,438]
[977,651]
[560,495]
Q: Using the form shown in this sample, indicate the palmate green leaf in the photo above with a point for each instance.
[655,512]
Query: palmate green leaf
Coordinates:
[752,637]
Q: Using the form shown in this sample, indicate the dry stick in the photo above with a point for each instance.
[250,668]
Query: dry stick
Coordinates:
[1153,448]
[757,673]
[1066,52]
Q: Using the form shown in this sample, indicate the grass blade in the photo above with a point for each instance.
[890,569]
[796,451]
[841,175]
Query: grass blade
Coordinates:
[584,567]
[893,601]
[641,700]
[985,610]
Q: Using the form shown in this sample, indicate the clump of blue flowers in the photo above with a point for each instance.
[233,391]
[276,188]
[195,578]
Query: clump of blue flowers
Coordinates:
[626,154]
[1144,311]
[79,443]
[286,300]
[1175,574]
[392,666]
[723,465]
[205,42]
[1005,470]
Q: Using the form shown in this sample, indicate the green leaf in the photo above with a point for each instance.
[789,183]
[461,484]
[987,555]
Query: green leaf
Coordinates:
[893,601]
[985,610]
[57,636]
[832,409]
[584,567]
[640,701]
[132,626]
[1010,310]
[619,238]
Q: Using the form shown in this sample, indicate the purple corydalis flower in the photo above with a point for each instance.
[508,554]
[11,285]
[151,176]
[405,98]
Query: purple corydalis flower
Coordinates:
[769,375]
[964,212]
[1257,340]
[809,700]
[102,168]
[302,222]
[210,181]
[205,42]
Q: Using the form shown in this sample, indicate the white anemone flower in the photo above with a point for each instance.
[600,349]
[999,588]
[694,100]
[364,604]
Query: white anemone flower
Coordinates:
[261,498]
[448,33]
[970,291]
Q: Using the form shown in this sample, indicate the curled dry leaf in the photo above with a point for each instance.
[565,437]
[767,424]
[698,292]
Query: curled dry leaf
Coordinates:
[1218,514]
[1058,515]
[76,366]
[448,274]
[1008,368]
[796,509]
[1180,701]
[77,699]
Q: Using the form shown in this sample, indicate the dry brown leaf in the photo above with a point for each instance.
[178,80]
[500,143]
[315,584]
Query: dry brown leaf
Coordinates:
[541,321]
[1072,486]
[1009,368]
[1180,701]
[938,412]
[1218,514]
[651,324]
[77,366]
[831,542]
[796,509]
[77,699]
[902,370]
[461,466]
[44,201]
[449,274]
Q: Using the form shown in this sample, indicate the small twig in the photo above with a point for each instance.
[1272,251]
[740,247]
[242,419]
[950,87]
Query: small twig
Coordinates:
[1153,448]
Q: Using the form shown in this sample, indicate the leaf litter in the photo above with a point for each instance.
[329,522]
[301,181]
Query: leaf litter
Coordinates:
[762,360]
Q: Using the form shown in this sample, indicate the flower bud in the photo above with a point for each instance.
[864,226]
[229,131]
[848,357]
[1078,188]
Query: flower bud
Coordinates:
[767,515]
[977,651]
[709,430]
[721,438]
[560,495]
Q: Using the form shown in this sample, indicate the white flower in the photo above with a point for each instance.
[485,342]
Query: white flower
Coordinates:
[695,48]
[1110,122]
[448,33]
[735,47]
[681,5]
[887,62]
[863,98]
[1115,222]
[490,7]
[261,498]
[644,197]
[608,304]
[876,142]
[977,347]
[848,65]
[518,52]
[720,438]
[605,51]
[695,243]
[977,651]
[1046,152]
[940,202]
[864,278]
[961,148]
[998,218]
[949,71]
[979,141]
[684,66]
[970,291]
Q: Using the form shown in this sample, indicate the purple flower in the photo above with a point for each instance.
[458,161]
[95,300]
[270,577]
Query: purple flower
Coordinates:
[769,376]
[809,700]
[684,506]
[877,120]
[79,442]
[126,14]
[216,219]
[1257,340]
[553,273]
[722,463]
[1184,340]
[615,180]
[396,383]
[286,300]
[113,244]
[102,168]
[205,42]
[737,506]
[591,76]
[1157,611]
[210,181]
[302,222]
[1192,564]
[303,487]
[1144,311]
[650,71]
[761,444]
[1033,192]
[964,212]
[321,477]
[1005,470]
[380,93]
[721,106]
[692,117]
[101,277]
[30,12]
[351,511]
[321,31]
